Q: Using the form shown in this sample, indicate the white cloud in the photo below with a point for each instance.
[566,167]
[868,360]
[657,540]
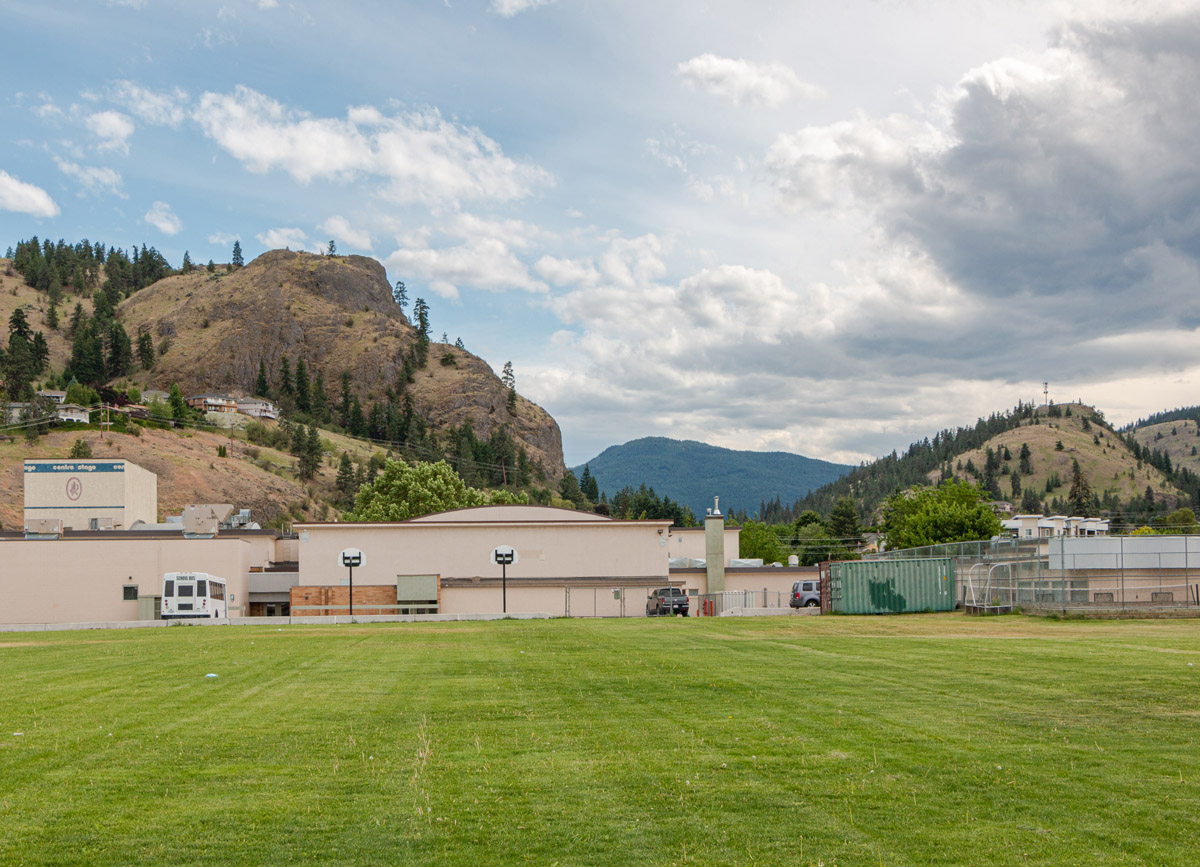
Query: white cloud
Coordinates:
[483,260]
[509,8]
[340,229]
[161,217]
[95,179]
[112,128]
[744,82]
[24,198]
[166,108]
[223,238]
[420,155]
[292,238]
[268,4]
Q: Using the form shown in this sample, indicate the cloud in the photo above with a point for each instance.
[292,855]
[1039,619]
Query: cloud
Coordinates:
[340,229]
[1059,193]
[292,238]
[744,82]
[223,238]
[167,108]
[112,128]
[161,217]
[24,198]
[484,258]
[420,156]
[95,179]
[509,8]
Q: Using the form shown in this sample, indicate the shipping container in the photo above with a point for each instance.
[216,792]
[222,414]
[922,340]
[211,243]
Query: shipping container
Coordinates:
[892,586]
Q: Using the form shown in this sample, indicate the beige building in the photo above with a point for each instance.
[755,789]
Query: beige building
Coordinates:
[89,494]
[105,576]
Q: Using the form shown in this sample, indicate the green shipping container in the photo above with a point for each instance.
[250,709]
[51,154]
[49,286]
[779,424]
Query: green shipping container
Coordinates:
[892,586]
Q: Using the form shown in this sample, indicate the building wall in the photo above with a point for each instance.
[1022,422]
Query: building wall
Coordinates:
[141,495]
[608,549]
[80,579]
[689,542]
[76,491]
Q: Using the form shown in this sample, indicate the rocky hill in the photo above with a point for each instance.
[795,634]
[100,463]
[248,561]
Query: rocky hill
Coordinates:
[337,314]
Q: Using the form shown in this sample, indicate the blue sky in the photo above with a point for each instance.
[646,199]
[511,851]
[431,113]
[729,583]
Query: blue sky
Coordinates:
[791,227]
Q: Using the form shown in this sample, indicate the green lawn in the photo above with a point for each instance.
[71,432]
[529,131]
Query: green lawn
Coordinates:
[919,740]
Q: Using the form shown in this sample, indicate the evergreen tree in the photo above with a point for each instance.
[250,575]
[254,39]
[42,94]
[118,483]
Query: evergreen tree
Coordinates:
[1016,485]
[52,317]
[400,295]
[358,421]
[319,399]
[187,263]
[1079,499]
[1026,464]
[120,350]
[145,349]
[261,388]
[179,409]
[345,481]
[589,485]
[1030,503]
[310,452]
[235,260]
[211,267]
[843,521]
[285,377]
[507,377]
[303,404]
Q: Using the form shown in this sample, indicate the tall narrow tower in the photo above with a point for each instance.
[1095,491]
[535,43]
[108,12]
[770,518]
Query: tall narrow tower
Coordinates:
[714,547]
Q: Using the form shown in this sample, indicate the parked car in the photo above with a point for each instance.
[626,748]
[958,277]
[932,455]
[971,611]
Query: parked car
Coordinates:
[806,594]
[668,600]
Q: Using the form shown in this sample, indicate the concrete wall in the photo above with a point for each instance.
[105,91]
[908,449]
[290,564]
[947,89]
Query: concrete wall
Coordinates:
[141,495]
[80,579]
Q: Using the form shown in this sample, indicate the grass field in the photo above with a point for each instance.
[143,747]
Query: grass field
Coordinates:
[918,740]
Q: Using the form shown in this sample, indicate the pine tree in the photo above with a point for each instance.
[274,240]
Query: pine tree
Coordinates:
[187,263]
[178,405]
[261,388]
[303,404]
[285,377]
[400,295]
[345,480]
[1079,499]
[235,260]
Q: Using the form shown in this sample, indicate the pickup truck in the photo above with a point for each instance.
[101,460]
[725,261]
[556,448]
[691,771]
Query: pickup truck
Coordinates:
[667,600]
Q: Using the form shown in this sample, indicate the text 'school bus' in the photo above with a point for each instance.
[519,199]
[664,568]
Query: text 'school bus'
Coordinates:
[193,594]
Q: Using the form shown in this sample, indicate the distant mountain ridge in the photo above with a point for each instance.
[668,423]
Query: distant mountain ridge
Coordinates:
[692,473]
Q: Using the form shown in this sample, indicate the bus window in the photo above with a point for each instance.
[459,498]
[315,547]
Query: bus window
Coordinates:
[201,590]
[187,590]
[217,591]
[168,588]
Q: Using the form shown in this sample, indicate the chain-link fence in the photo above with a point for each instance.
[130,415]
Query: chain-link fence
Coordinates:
[1107,573]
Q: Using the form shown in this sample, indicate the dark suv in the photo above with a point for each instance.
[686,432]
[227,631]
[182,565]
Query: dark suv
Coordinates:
[668,600]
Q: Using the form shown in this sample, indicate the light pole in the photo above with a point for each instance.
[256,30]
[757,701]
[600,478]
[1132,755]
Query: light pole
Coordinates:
[350,558]
[504,556]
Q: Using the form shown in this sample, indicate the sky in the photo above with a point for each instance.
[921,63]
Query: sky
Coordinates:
[827,229]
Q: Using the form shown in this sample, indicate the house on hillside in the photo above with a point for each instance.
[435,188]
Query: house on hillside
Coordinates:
[58,397]
[72,412]
[212,403]
[257,407]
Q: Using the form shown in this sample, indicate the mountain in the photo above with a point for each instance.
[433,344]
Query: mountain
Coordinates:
[337,314]
[1129,472]
[693,473]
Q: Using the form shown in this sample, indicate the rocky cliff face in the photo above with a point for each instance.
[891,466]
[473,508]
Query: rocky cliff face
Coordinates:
[335,312]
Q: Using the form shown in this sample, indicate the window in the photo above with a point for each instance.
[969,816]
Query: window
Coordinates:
[808,586]
[201,588]
[218,590]
[129,592]
[168,588]
[187,590]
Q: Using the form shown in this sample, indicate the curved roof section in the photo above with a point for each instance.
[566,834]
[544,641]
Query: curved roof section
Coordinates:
[514,512]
